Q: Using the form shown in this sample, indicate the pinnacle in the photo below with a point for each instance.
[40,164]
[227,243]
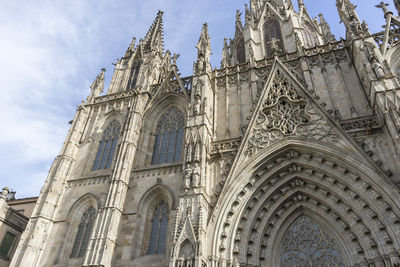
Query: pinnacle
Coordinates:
[155,36]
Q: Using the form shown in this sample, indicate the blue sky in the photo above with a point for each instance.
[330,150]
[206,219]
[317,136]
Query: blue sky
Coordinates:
[51,51]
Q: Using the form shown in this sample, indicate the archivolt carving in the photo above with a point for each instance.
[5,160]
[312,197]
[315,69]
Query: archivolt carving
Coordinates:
[360,214]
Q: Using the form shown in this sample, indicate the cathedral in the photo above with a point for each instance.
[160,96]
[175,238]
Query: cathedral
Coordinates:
[287,154]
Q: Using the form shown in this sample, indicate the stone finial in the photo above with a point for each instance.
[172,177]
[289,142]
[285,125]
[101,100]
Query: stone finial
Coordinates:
[175,58]
[5,192]
[384,6]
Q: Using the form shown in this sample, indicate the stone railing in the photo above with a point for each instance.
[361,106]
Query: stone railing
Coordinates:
[16,219]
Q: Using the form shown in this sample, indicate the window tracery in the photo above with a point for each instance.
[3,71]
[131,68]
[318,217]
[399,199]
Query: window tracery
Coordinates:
[310,39]
[159,225]
[133,75]
[169,138]
[107,147]
[83,234]
[272,30]
[307,244]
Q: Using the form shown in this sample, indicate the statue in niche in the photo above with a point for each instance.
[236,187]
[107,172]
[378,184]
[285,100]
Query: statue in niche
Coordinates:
[197,152]
[274,45]
[378,69]
[196,105]
[197,98]
[188,176]
[189,152]
[196,175]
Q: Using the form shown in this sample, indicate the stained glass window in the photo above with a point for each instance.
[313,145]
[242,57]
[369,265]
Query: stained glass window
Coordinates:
[240,51]
[133,75]
[159,224]
[83,234]
[169,138]
[6,245]
[272,30]
[107,147]
[307,244]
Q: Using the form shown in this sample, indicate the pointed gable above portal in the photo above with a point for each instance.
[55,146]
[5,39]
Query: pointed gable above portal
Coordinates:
[286,111]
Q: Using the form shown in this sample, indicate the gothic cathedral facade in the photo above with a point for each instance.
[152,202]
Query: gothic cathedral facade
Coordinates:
[288,154]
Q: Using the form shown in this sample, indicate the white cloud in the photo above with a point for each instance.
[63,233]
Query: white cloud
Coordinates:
[50,51]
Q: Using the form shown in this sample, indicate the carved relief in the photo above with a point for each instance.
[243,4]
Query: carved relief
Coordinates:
[286,113]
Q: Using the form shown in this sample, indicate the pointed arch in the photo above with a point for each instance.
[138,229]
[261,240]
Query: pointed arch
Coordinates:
[186,256]
[151,119]
[305,242]
[297,176]
[107,146]
[168,144]
[272,30]
[155,206]
[240,50]
[310,38]
[79,227]
[134,74]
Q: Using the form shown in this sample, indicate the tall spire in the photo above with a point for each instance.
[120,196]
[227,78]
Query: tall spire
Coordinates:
[203,51]
[154,39]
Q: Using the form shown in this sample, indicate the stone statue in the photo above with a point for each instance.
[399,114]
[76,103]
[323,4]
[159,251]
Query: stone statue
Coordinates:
[196,175]
[274,44]
[188,176]
[378,69]
[196,105]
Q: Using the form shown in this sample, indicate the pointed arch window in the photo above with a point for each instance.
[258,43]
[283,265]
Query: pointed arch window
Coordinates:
[240,51]
[133,75]
[159,225]
[84,231]
[272,30]
[107,147]
[169,138]
[307,244]
[310,39]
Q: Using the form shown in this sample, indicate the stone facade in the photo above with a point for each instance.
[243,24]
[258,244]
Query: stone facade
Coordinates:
[294,133]
[12,224]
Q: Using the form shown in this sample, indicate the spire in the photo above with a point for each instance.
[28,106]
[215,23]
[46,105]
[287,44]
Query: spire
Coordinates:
[97,87]
[154,39]
[326,29]
[203,51]
[348,15]
[225,54]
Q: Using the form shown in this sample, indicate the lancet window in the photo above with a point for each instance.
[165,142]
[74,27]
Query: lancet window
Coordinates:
[240,51]
[272,30]
[84,231]
[133,75]
[107,147]
[169,138]
[159,225]
[307,244]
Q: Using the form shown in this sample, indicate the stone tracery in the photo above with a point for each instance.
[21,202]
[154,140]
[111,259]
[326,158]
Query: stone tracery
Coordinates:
[307,244]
